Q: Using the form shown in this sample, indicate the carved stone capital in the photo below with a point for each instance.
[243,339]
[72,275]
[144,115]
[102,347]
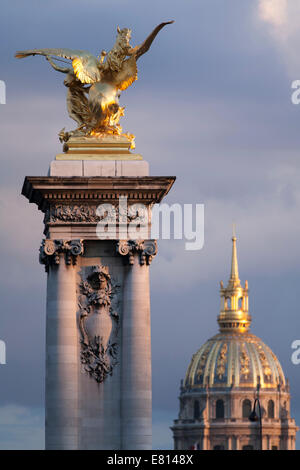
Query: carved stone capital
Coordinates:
[50,251]
[146,250]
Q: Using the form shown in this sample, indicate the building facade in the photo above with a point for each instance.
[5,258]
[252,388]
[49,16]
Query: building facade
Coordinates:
[234,376]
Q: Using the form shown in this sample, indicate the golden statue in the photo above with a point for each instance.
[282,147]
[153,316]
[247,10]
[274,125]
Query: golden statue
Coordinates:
[95,84]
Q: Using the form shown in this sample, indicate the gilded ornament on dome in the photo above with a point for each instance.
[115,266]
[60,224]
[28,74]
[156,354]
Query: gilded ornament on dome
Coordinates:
[222,361]
[201,364]
[245,362]
[266,367]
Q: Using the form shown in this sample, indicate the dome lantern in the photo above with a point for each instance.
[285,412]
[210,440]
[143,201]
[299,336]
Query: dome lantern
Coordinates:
[234,313]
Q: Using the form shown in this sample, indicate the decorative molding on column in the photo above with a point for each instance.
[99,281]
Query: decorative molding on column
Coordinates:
[50,251]
[146,249]
[67,212]
[99,320]
[87,213]
[73,202]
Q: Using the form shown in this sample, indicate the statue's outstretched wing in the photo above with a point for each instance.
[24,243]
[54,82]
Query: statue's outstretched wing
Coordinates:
[127,75]
[85,64]
[145,46]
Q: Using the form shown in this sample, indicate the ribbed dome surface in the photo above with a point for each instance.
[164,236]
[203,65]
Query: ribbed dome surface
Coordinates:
[234,359]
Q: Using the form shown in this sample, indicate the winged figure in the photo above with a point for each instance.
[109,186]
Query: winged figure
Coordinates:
[95,83]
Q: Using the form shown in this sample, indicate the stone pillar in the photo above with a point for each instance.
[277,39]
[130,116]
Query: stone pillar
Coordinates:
[62,410]
[136,402]
[229,443]
[84,387]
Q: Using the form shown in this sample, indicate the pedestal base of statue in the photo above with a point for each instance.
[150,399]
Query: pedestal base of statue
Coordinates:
[98,343]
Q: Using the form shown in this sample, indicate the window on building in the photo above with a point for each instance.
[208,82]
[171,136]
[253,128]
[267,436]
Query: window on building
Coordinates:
[248,447]
[271,408]
[247,408]
[220,409]
[274,448]
[196,409]
[219,447]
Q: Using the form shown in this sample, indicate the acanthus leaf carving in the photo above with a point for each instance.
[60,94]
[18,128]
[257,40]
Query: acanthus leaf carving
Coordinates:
[146,249]
[50,251]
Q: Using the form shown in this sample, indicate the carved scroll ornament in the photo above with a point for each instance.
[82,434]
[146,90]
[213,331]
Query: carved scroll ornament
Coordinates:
[50,251]
[146,250]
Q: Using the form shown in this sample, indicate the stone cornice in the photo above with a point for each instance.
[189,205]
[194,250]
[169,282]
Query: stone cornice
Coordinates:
[46,190]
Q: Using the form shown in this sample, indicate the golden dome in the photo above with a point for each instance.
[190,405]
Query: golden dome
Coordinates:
[234,357]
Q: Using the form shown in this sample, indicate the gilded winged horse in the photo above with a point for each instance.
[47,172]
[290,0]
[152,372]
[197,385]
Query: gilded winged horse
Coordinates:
[94,84]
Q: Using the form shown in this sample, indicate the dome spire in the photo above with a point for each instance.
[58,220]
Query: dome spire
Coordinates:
[234,298]
[234,275]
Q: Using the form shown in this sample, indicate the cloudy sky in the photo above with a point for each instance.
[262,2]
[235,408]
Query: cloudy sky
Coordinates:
[212,106]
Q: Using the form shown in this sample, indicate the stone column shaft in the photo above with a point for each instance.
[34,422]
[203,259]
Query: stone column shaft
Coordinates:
[136,405]
[62,413]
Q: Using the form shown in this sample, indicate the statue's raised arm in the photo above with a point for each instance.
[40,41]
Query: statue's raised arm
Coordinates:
[109,74]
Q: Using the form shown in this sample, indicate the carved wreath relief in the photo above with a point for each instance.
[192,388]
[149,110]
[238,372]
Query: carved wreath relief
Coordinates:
[99,303]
